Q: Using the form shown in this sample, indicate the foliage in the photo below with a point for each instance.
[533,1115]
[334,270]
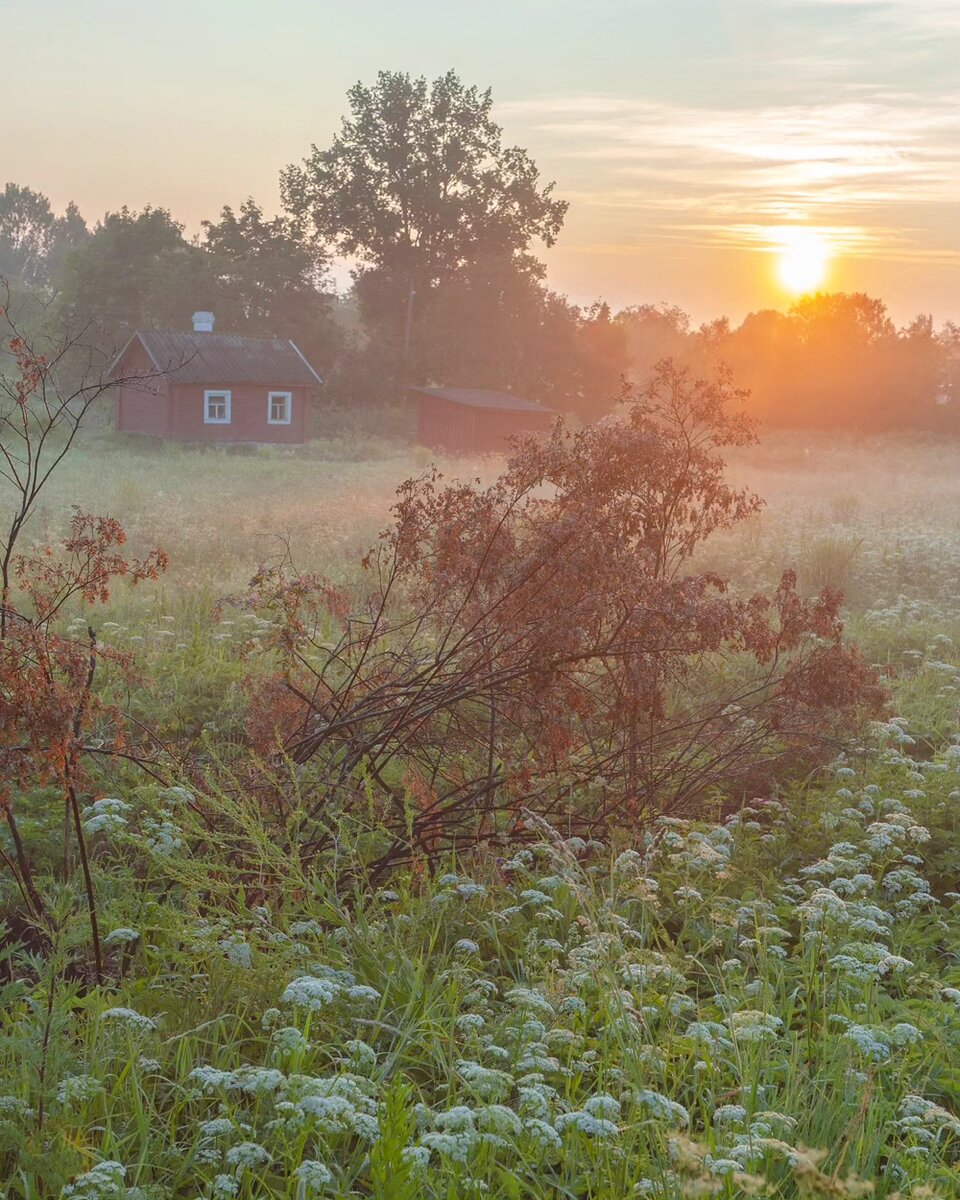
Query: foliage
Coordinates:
[420,190]
[270,280]
[833,361]
[50,717]
[500,327]
[34,242]
[418,183]
[542,642]
[136,270]
[764,1004]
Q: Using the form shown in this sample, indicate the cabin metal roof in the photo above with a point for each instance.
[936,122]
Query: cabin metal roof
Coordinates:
[481,398]
[221,358]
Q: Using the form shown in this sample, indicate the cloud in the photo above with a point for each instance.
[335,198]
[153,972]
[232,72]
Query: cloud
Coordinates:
[917,17]
[879,170]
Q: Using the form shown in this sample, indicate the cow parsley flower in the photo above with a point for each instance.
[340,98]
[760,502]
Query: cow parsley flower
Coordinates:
[729,1114]
[333,1114]
[893,964]
[107,815]
[360,993]
[751,1025]
[312,1176]
[13,1106]
[247,1156]
[573,1006]
[363,1057]
[523,997]
[238,951]
[311,993]
[456,1120]
[78,1089]
[534,1102]
[543,1135]
[122,937]
[586,1123]
[129,1017]
[453,1146]
[216,1127]
[602,1105]
[164,838]
[662,1107]
[867,1042]
[485,1082]
[499,1120]
[416,1157]
[102,1181]
[248,1079]
[929,1113]
[289,1040]
[721,1166]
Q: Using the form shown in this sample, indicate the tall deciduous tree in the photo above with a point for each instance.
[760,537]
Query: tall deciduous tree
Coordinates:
[419,188]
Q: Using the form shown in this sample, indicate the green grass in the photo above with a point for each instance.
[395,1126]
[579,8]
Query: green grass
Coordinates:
[764,1004]
[596,1013]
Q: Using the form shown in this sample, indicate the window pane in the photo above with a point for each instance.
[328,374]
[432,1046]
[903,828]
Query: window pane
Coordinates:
[217,409]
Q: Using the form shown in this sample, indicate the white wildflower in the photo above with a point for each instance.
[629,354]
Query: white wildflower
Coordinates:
[247,1156]
[129,1017]
[311,993]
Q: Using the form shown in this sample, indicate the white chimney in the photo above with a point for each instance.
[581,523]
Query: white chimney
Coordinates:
[203,322]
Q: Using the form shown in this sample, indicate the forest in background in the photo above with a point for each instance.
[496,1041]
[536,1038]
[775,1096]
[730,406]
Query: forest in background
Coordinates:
[443,222]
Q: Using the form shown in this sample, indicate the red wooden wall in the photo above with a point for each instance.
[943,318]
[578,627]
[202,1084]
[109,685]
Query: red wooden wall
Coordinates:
[463,429]
[176,411]
[141,406]
[248,415]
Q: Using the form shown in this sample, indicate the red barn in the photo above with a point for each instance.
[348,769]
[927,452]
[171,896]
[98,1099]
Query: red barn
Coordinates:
[475,421]
[212,387]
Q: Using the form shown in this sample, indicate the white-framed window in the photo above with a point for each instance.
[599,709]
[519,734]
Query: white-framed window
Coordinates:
[279,408]
[216,407]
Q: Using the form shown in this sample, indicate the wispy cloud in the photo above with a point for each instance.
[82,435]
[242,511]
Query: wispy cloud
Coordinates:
[917,16]
[863,168]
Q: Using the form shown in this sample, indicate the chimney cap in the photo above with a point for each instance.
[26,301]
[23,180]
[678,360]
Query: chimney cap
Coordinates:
[203,322]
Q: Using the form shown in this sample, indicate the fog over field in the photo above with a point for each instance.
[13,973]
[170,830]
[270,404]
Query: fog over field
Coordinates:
[480,602]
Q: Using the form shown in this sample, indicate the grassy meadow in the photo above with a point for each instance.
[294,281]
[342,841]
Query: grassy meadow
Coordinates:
[758,1001]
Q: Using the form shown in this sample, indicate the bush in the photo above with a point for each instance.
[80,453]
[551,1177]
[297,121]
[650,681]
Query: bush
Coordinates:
[544,643]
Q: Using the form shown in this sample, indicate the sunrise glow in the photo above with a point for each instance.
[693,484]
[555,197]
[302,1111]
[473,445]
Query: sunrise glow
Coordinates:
[803,258]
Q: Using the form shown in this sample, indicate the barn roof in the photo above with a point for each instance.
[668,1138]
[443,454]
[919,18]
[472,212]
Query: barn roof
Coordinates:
[187,357]
[481,398]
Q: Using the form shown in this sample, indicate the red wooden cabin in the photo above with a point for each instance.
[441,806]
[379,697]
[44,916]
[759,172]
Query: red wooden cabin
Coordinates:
[212,387]
[475,421]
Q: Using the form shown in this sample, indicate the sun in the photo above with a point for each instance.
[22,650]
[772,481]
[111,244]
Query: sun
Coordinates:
[804,255]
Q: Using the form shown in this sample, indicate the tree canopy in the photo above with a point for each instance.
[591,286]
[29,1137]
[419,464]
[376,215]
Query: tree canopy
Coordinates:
[33,239]
[419,183]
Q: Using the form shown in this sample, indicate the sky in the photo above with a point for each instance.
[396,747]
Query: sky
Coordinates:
[691,137]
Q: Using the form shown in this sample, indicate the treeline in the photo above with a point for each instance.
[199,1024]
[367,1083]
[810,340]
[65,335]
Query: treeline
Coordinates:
[441,219]
[834,360]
